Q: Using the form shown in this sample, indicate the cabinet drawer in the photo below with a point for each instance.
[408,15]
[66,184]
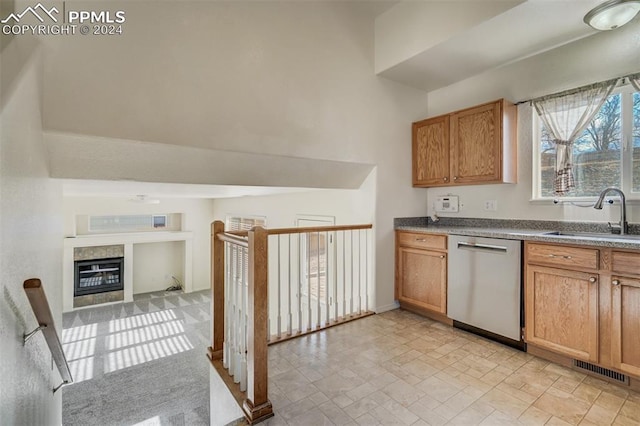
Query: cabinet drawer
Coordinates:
[625,263]
[571,257]
[427,241]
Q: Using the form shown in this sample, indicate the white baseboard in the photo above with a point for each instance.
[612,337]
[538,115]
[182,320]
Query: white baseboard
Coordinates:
[389,307]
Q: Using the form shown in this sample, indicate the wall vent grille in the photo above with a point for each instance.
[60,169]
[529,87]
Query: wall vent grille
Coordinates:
[600,371]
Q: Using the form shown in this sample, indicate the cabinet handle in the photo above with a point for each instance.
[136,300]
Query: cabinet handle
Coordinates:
[446,179]
[455,178]
[615,282]
[421,240]
[593,280]
[442,256]
[564,256]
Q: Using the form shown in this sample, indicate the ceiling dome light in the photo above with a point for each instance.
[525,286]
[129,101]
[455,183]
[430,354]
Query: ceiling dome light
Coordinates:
[144,199]
[612,14]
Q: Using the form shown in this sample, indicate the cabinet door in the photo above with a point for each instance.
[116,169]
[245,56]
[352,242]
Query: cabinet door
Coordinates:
[476,144]
[422,278]
[561,311]
[431,152]
[625,339]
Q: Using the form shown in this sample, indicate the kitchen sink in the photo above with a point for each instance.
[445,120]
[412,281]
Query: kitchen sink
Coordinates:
[594,235]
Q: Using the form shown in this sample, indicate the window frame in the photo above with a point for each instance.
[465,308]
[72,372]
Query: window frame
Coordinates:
[626,172]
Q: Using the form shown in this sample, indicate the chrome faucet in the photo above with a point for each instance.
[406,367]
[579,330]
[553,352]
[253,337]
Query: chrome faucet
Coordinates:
[623,227]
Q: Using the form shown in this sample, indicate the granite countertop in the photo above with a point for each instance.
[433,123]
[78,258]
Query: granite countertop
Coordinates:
[528,230]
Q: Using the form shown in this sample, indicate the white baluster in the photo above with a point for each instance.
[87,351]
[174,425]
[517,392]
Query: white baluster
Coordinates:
[279,332]
[290,317]
[366,269]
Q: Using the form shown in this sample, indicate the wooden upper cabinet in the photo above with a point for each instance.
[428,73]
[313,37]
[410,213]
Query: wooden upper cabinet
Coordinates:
[472,146]
[431,152]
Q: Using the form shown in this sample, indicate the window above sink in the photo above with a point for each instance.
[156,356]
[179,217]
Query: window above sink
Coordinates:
[606,155]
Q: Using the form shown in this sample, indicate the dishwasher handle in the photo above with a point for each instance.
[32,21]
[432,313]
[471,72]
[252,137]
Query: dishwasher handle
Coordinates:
[482,247]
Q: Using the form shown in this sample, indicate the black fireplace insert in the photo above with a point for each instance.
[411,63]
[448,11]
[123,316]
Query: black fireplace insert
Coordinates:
[98,275]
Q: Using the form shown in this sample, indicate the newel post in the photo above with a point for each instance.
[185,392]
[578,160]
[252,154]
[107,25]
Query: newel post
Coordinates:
[257,406]
[217,290]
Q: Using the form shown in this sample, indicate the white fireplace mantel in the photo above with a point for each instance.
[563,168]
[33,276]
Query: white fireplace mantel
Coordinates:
[128,240]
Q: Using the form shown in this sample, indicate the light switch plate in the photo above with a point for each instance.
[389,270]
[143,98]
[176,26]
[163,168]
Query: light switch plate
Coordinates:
[447,204]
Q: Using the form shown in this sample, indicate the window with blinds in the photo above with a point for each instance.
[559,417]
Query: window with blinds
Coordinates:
[241,255]
[238,223]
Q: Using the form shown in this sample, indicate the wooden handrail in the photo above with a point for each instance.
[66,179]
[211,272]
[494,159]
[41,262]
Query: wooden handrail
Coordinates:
[40,305]
[233,239]
[280,231]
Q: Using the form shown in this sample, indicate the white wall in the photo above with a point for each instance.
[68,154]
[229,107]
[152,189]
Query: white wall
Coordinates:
[605,55]
[348,206]
[155,263]
[196,216]
[282,78]
[410,28]
[30,242]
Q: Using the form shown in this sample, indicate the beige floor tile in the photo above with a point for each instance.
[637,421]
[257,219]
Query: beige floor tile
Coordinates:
[555,421]
[318,398]
[294,410]
[334,413]
[428,414]
[610,401]
[563,405]
[504,402]
[600,415]
[587,392]
[521,395]
[367,420]
[361,391]
[313,417]
[342,400]
[403,414]
[403,392]
[534,417]
[634,397]
[460,401]
[452,378]
[337,384]
[437,389]
[493,377]
[631,410]
[624,421]
[399,368]
[386,418]
[498,418]
[419,369]
[468,417]
[567,384]
[361,407]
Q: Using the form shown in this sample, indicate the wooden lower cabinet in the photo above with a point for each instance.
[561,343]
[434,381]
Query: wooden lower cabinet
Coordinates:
[421,273]
[561,312]
[422,278]
[625,325]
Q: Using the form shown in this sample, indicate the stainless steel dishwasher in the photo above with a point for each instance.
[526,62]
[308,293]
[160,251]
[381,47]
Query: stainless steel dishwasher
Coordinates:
[484,289]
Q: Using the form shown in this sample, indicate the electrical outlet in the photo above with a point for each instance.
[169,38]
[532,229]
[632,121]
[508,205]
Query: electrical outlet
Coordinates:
[491,205]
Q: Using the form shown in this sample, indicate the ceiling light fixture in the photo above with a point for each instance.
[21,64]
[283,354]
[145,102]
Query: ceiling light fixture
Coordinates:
[144,199]
[612,14]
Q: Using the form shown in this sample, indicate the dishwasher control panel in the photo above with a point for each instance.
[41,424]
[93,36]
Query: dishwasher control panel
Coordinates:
[446,204]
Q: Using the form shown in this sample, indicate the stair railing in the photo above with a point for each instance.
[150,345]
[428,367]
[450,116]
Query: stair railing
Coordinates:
[42,311]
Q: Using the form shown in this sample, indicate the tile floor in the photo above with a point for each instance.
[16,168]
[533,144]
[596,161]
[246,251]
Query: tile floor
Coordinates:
[400,368]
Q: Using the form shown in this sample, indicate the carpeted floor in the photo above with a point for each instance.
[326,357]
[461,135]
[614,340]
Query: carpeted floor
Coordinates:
[139,363]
